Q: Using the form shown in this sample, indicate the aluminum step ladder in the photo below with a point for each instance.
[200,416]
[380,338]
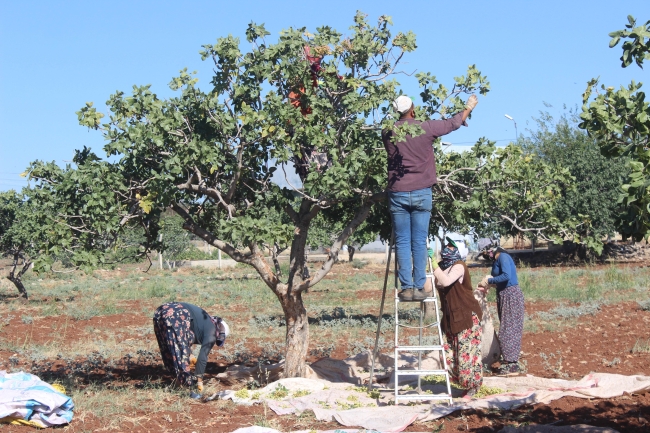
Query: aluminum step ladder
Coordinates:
[420,348]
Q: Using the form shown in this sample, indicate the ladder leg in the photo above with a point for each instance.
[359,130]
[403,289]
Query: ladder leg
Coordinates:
[396,355]
[381,311]
[420,344]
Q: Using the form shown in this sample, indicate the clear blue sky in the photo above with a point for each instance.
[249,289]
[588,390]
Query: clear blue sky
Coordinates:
[55,56]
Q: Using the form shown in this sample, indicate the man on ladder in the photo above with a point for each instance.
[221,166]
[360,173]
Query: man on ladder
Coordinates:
[411,174]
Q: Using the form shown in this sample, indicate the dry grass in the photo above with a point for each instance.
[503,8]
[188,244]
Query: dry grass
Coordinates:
[252,310]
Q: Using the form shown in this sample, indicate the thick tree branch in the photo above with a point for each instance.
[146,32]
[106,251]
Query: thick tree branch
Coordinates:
[237,174]
[358,219]
[255,259]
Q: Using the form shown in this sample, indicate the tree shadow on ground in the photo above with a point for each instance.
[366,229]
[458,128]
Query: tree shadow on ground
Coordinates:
[146,370]
[6,297]
[629,415]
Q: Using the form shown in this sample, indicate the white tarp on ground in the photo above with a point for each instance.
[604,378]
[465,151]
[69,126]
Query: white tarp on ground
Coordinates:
[331,401]
[24,396]
[334,392]
[579,428]
[357,369]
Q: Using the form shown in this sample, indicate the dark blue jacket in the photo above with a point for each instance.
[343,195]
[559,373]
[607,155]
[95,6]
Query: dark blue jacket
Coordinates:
[204,334]
[504,273]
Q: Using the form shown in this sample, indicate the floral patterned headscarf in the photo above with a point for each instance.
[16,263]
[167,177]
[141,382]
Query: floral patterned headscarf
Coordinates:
[449,257]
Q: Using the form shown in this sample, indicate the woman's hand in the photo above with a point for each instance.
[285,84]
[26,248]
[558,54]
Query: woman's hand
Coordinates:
[484,282]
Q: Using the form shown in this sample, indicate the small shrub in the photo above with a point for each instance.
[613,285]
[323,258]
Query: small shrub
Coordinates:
[358,264]
[300,393]
[194,253]
[322,351]
[28,320]
[271,353]
[644,305]
[157,290]
[555,369]
[239,354]
[88,311]
[565,312]
[267,321]
[641,346]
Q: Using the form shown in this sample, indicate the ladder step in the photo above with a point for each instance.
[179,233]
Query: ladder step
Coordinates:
[419,372]
[418,348]
[429,299]
[425,397]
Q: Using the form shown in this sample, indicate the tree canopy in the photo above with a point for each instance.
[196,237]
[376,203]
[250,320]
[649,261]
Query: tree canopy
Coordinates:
[593,192]
[620,122]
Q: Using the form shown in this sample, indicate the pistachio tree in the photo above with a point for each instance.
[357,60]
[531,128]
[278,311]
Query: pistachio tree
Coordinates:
[66,217]
[489,190]
[597,179]
[619,119]
[17,236]
[77,216]
[311,102]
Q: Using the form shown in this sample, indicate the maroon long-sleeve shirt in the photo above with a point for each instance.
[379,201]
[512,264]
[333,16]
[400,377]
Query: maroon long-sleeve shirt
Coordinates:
[411,163]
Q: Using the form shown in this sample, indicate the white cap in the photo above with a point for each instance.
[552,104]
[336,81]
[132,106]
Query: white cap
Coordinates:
[402,104]
[223,327]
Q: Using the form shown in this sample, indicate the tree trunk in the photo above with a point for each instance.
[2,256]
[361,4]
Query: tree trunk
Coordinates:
[20,286]
[17,279]
[297,337]
[351,251]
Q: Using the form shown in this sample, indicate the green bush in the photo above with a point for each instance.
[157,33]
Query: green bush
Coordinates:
[194,253]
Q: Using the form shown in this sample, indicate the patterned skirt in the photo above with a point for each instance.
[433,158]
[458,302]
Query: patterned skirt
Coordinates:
[172,325]
[510,306]
[463,353]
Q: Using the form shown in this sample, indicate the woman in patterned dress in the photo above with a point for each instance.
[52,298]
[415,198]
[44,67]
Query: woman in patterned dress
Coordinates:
[461,320]
[177,326]
[510,307]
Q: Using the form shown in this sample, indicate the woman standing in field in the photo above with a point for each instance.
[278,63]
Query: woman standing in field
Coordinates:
[178,325]
[461,319]
[510,307]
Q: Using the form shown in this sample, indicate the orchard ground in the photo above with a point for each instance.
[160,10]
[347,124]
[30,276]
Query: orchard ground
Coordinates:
[93,333]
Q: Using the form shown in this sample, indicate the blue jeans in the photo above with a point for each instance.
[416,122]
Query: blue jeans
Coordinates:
[410,213]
